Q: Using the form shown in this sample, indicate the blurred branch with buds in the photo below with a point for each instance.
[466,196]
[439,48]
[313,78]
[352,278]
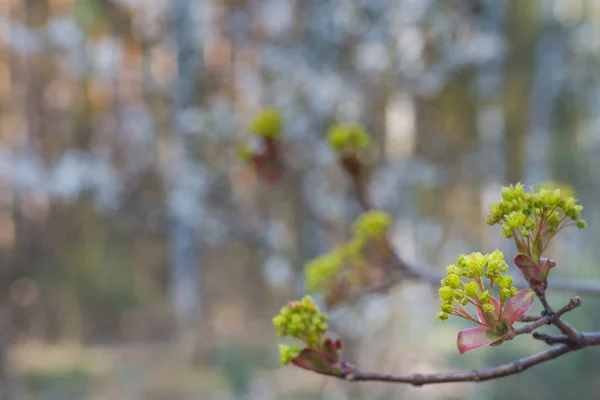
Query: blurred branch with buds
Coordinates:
[366,262]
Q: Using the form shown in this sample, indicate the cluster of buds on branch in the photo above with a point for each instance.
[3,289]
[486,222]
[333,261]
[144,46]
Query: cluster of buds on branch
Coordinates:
[466,284]
[347,266]
[532,219]
[302,320]
[264,152]
[349,141]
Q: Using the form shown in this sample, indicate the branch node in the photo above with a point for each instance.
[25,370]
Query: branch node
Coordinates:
[519,366]
[418,380]
[550,314]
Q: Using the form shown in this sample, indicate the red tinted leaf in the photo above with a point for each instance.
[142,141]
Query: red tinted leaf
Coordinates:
[528,267]
[473,338]
[313,360]
[517,306]
[547,263]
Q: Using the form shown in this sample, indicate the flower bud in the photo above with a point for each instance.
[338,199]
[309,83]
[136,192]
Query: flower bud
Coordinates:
[446,307]
[488,308]
[446,293]
[485,297]
[471,289]
[454,281]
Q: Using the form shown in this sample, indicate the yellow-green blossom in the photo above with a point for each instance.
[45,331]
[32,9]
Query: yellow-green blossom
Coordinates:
[348,137]
[301,320]
[267,123]
[372,223]
[533,218]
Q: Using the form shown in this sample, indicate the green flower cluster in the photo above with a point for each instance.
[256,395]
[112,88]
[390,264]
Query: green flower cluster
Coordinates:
[464,284]
[301,320]
[287,353]
[348,137]
[322,269]
[267,123]
[521,212]
[370,224]
[533,218]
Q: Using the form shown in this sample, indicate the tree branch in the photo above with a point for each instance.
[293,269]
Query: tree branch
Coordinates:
[551,339]
[515,367]
[563,343]
[529,318]
[555,320]
[551,319]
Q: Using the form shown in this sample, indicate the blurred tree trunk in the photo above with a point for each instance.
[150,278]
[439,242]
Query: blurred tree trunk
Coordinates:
[522,30]
[446,126]
[6,384]
[186,270]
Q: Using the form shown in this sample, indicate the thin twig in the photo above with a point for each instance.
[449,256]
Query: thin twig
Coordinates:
[529,318]
[551,339]
[546,319]
[533,326]
[555,320]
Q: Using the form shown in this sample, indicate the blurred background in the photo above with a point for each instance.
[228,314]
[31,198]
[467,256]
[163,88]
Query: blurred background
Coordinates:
[140,259]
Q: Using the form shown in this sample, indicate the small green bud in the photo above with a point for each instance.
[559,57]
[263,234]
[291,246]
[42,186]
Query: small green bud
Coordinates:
[495,257]
[581,224]
[488,308]
[446,293]
[515,219]
[454,281]
[267,123]
[478,260]
[285,311]
[529,223]
[507,193]
[442,316]
[504,281]
[288,353]
[350,136]
[477,271]
[459,294]
[464,301]
[493,219]
[485,297]
[278,321]
[371,224]
[505,293]
[471,289]
[462,261]
[453,269]
[446,308]
[507,231]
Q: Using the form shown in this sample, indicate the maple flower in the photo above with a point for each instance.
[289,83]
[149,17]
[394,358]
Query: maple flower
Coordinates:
[302,320]
[465,283]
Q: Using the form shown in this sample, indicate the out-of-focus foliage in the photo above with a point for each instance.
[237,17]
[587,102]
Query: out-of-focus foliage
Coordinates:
[137,252]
